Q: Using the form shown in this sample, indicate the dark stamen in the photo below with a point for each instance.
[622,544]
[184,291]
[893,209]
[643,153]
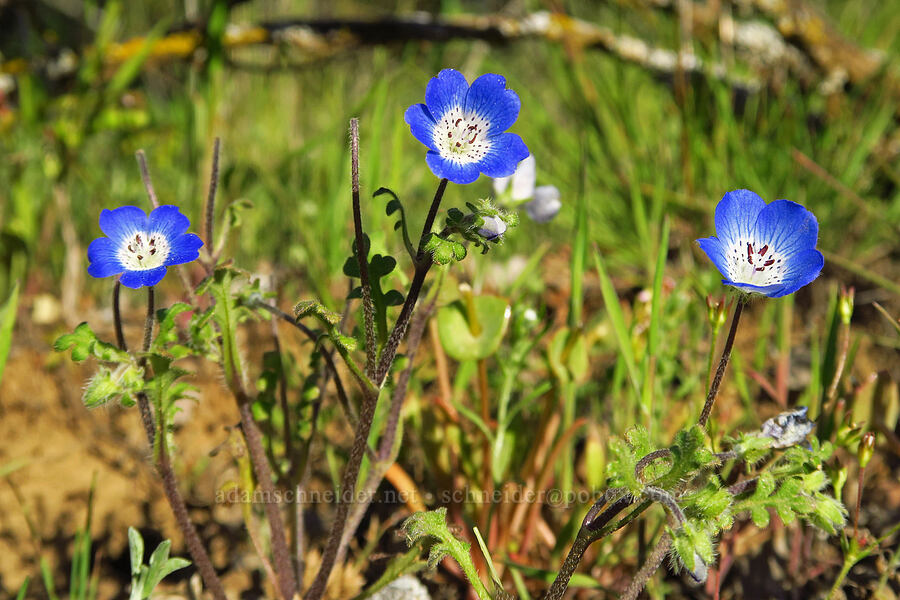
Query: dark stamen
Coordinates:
[762,251]
[771,261]
[749,253]
[152,251]
[140,257]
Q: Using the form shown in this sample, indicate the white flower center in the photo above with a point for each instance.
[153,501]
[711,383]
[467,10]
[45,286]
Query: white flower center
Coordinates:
[462,137]
[755,263]
[142,251]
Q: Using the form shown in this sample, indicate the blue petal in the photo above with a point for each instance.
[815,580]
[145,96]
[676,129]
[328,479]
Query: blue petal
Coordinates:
[167,220]
[138,279]
[455,172]
[716,253]
[773,291]
[132,279]
[801,269]
[104,258]
[151,277]
[421,124]
[489,98]
[184,248]
[446,90]
[507,150]
[787,227]
[122,222]
[736,215]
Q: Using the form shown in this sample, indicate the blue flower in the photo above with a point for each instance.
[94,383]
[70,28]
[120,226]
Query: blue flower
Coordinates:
[138,247]
[769,249]
[463,127]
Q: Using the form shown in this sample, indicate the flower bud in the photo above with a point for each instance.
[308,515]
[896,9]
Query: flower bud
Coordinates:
[866,449]
[545,205]
[845,304]
[838,476]
[717,311]
[491,228]
[700,571]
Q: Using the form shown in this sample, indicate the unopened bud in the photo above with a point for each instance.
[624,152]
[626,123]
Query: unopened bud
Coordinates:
[491,228]
[845,304]
[838,476]
[717,311]
[700,570]
[866,449]
[545,205]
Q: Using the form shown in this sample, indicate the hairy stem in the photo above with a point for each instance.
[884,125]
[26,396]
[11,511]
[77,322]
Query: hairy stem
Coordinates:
[347,496]
[361,252]
[145,177]
[385,455]
[594,527]
[423,264]
[723,362]
[648,569]
[211,203]
[164,466]
[146,414]
[263,472]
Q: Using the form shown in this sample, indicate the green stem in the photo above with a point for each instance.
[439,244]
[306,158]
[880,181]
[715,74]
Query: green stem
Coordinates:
[849,561]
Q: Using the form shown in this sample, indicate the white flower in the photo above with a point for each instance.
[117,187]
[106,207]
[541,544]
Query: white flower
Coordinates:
[541,203]
[491,228]
[522,180]
[545,205]
[406,587]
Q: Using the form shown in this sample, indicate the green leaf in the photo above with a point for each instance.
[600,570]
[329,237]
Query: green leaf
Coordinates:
[84,343]
[24,588]
[379,268]
[624,456]
[167,332]
[433,524]
[135,550]
[395,205]
[108,385]
[568,355]
[7,320]
[314,308]
[473,333]
[444,251]
[623,337]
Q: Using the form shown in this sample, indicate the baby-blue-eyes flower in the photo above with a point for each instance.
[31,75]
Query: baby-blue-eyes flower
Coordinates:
[138,247]
[464,127]
[768,249]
